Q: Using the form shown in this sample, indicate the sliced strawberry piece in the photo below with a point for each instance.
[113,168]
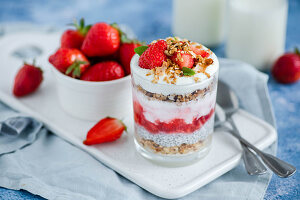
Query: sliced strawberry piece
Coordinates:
[154,56]
[183,59]
[27,80]
[198,51]
[106,130]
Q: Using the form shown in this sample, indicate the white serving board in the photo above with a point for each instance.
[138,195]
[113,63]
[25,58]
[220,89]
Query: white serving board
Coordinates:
[121,156]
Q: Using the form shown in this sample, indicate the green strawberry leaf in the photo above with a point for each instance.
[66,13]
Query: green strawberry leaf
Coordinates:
[124,39]
[81,27]
[75,68]
[187,71]
[140,50]
[297,51]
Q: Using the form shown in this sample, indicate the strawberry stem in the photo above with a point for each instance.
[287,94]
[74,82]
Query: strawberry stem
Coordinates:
[81,27]
[123,36]
[75,69]
[297,51]
[33,64]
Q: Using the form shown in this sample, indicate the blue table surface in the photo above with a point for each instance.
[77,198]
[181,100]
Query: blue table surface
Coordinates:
[151,20]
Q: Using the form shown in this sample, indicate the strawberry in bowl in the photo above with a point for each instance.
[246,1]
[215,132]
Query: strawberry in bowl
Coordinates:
[92,77]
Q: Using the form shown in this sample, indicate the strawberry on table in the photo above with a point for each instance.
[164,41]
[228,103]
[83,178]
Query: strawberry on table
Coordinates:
[74,38]
[183,59]
[101,40]
[127,52]
[103,71]
[27,80]
[287,68]
[106,130]
[153,56]
[69,61]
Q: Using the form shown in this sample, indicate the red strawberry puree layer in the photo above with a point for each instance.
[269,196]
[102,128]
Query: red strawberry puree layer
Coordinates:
[172,126]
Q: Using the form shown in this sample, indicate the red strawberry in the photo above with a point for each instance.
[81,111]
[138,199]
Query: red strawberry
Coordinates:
[27,80]
[106,130]
[103,71]
[198,51]
[74,38]
[287,68]
[183,59]
[69,60]
[126,53]
[101,40]
[154,56]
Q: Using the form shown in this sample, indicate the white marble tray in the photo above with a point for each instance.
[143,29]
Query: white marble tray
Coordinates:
[121,155]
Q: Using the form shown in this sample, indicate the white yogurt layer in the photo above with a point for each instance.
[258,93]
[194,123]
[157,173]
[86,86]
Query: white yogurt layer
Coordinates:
[163,111]
[183,85]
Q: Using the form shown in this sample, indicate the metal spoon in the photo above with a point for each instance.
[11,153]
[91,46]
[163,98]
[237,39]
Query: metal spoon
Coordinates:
[229,102]
[252,164]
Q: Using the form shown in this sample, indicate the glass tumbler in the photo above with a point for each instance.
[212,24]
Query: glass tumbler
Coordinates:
[173,128]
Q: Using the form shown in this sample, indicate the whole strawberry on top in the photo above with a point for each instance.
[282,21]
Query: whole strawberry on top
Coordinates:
[287,68]
[106,130]
[153,56]
[101,40]
[69,61]
[126,51]
[103,71]
[74,38]
[27,80]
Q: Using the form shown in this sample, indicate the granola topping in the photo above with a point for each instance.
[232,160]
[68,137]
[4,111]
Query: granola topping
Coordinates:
[204,66]
[170,71]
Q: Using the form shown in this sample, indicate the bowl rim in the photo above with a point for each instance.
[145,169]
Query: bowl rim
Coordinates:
[81,82]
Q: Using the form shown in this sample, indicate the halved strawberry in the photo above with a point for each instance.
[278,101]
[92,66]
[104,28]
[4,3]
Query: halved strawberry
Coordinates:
[183,59]
[106,130]
[154,55]
[199,51]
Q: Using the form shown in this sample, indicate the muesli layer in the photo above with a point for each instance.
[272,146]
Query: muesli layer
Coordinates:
[184,148]
[199,93]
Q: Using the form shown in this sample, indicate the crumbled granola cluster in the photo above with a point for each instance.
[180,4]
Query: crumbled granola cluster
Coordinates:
[182,149]
[178,98]
[171,70]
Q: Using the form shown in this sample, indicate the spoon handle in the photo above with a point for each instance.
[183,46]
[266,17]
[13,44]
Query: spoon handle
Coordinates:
[279,167]
[252,164]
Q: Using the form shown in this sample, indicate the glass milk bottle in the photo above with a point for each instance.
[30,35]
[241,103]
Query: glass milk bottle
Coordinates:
[256,31]
[201,21]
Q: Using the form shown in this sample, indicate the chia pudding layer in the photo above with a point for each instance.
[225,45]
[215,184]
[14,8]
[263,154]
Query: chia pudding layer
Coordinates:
[174,110]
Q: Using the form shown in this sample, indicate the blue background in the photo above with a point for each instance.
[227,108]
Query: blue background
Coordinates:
[151,19]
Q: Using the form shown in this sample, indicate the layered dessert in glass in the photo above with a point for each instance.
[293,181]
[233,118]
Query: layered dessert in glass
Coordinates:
[174,96]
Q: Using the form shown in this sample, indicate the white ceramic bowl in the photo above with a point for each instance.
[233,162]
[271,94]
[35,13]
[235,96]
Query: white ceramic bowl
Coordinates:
[94,100]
